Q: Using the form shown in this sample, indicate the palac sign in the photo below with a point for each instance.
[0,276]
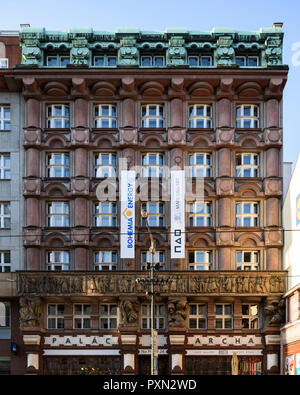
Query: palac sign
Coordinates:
[184,283]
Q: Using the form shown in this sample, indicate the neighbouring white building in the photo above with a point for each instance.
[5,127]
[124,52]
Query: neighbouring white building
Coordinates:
[290,332]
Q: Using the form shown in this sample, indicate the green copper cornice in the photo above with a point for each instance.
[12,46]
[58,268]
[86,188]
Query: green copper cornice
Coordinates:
[223,45]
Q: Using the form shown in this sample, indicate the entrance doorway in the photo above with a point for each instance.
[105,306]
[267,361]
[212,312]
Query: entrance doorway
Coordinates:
[145,362]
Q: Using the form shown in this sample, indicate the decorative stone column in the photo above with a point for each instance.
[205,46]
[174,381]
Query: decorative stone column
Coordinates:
[272,162]
[272,259]
[224,259]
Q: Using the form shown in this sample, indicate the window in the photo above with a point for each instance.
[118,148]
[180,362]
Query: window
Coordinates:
[155,212]
[4,215]
[200,116]
[153,116]
[5,261]
[247,260]
[58,260]
[247,214]
[247,116]
[200,165]
[55,317]
[105,214]
[105,61]
[106,260]
[4,315]
[159,316]
[250,61]
[224,314]
[58,60]
[250,316]
[202,61]
[105,165]
[198,316]
[152,165]
[3,63]
[108,316]
[159,257]
[5,366]
[199,214]
[4,166]
[82,316]
[58,165]
[199,260]
[58,214]
[247,165]
[152,61]
[5,118]
[105,116]
[58,116]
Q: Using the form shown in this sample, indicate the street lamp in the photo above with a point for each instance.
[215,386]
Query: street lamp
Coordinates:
[152,267]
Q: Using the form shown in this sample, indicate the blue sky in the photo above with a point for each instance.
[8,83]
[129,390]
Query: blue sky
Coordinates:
[191,14]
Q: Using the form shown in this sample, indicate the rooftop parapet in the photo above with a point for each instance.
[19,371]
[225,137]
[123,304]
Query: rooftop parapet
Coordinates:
[222,47]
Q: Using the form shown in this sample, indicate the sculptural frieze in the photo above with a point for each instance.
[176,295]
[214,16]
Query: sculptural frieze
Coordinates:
[30,312]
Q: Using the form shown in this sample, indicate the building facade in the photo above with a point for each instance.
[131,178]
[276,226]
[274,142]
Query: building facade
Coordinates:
[11,201]
[206,102]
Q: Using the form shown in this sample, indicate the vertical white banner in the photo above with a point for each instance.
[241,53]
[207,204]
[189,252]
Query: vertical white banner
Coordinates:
[177,214]
[127,214]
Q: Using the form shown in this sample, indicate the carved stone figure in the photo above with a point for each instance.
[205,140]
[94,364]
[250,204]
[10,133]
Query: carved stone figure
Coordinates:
[273,52]
[128,54]
[79,52]
[177,313]
[275,311]
[176,53]
[129,312]
[225,54]
[30,312]
[31,53]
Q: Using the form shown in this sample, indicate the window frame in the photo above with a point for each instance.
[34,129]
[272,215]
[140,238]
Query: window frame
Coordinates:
[4,264]
[157,168]
[159,119]
[193,119]
[158,215]
[112,214]
[223,317]
[252,117]
[82,318]
[7,315]
[242,167]
[3,119]
[4,216]
[250,317]
[112,266]
[62,264]
[4,168]
[159,257]
[65,118]
[252,265]
[57,317]
[64,215]
[254,217]
[109,316]
[65,167]
[112,168]
[207,263]
[146,318]
[106,59]
[58,58]
[198,316]
[206,167]
[112,119]
[206,215]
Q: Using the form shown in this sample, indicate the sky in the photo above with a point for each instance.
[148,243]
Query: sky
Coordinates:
[158,15]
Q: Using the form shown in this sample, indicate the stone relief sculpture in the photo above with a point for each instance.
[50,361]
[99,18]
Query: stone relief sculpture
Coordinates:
[129,312]
[31,53]
[79,52]
[128,54]
[30,312]
[273,52]
[177,313]
[176,53]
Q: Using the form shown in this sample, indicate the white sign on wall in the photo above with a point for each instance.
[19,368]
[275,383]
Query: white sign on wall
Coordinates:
[177,214]
[81,341]
[127,213]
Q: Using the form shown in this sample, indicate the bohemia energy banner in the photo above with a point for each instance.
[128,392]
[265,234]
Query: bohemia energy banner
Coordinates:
[127,213]
[177,214]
